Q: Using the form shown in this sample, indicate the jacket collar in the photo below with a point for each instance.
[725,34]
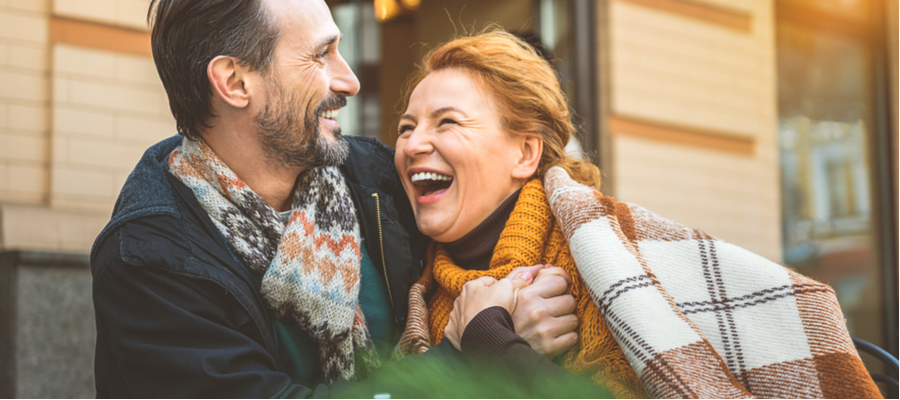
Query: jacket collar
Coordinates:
[147,190]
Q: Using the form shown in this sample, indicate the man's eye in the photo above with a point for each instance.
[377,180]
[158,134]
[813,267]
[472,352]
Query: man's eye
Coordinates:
[322,54]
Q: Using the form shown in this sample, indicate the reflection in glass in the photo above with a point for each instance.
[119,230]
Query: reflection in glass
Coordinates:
[825,126]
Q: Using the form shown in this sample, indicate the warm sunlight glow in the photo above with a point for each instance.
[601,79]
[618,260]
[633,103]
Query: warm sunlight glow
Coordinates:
[386,9]
[411,4]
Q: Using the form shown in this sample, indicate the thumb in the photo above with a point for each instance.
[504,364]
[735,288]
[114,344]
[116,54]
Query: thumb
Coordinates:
[523,279]
[534,269]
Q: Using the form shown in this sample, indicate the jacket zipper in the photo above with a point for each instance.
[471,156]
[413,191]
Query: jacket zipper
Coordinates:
[381,243]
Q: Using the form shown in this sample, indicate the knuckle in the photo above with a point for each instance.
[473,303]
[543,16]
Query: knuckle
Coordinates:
[542,331]
[527,294]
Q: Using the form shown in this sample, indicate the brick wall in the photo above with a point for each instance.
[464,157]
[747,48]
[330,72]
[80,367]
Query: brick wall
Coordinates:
[107,109]
[74,119]
[24,96]
[674,69]
[127,13]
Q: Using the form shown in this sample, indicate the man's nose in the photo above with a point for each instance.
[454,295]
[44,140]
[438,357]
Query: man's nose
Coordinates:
[344,81]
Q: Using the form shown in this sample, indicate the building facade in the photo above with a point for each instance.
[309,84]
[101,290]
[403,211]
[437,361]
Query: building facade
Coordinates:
[768,123]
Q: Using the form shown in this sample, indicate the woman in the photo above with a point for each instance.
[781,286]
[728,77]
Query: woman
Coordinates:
[485,125]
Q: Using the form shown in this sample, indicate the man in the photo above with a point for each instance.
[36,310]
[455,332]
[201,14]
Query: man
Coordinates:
[263,254]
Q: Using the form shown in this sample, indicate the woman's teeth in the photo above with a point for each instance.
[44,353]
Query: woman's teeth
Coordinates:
[330,114]
[429,183]
[429,176]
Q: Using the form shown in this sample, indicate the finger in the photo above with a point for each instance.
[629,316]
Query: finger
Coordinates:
[533,269]
[486,281]
[560,305]
[549,285]
[563,343]
[564,324]
[522,280]
[551,270]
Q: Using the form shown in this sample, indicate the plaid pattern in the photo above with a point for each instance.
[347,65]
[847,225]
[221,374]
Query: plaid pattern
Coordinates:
[698,317]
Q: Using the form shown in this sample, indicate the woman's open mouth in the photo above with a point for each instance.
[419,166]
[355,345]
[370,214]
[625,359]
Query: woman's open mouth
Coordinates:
[429,186]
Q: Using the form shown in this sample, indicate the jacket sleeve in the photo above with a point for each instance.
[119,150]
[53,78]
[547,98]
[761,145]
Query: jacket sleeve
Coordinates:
[497,353]
[164,334]
[160,334]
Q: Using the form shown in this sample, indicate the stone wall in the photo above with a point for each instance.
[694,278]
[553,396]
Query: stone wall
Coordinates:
[47,345]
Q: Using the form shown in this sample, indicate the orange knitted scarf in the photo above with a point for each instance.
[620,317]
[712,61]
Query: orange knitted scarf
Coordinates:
[530,237]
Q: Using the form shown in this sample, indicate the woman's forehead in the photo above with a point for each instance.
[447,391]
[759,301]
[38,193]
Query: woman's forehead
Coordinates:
[448,88]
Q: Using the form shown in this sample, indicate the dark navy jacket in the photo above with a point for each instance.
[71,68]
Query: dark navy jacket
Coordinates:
[179,316]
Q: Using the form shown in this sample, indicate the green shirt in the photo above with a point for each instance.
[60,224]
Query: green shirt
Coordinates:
[297,352]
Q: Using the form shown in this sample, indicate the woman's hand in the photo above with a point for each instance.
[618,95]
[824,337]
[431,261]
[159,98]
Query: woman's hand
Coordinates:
[545,314]
[480,294]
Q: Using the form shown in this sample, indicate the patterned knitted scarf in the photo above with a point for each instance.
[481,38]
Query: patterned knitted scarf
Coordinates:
[310,267]
[531,236]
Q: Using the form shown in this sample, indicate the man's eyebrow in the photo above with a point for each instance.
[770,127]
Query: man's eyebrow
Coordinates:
[329,40]
[442,110]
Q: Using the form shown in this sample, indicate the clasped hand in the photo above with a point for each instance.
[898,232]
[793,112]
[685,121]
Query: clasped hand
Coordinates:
[536,298]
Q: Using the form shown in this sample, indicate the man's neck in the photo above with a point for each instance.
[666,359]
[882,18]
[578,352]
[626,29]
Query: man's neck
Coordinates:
[244,154]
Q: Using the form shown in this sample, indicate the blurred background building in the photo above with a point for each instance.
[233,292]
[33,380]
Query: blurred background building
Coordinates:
[769,123]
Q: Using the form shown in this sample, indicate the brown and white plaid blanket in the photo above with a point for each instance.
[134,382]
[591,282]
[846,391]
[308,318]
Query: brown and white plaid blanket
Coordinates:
[698,317]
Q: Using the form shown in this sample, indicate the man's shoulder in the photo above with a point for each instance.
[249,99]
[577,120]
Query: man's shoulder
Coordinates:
[370,163]
[155,241]
[363,144]
[366,152]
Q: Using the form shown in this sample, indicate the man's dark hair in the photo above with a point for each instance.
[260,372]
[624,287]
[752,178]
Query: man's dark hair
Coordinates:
[188,34]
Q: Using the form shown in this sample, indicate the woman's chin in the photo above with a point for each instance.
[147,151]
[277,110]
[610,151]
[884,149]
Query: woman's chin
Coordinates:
[436,231]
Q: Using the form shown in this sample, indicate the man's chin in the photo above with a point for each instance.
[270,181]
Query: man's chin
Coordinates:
[332,149]
[332,136]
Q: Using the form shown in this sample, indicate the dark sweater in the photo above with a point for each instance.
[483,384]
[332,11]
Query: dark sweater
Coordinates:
[474,249]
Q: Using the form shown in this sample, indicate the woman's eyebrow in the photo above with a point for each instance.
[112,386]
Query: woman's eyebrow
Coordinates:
[442,110]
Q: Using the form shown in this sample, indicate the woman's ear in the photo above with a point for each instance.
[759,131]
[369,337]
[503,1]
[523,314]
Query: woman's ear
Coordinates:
[532,147]
[229,80]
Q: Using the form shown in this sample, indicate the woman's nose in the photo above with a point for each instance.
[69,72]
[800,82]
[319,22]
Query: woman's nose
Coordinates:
[418,144]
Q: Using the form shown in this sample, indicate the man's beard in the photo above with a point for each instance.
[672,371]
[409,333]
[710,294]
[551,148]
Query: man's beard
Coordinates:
[294,142]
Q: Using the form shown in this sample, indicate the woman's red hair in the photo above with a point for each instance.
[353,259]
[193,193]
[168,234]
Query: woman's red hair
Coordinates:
[525,91]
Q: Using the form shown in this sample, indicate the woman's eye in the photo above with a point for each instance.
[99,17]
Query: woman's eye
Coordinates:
[405,129]
[446,121]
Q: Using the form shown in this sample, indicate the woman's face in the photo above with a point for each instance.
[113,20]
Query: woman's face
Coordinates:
[456,162]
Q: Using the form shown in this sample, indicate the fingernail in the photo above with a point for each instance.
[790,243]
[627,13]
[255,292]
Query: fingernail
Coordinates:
[525,275]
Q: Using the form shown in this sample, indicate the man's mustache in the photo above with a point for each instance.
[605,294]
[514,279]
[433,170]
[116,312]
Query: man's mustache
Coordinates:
[331,102]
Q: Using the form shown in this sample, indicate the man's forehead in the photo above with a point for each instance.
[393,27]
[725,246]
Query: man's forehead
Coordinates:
[310,19]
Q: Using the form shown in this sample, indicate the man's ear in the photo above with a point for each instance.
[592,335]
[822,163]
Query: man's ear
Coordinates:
[532,147]
[230,80]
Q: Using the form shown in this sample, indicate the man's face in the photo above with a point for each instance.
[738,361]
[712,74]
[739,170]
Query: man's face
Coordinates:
[306,85]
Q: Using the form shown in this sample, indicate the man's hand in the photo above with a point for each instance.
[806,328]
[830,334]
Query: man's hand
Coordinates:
[544,314]
[480,294]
